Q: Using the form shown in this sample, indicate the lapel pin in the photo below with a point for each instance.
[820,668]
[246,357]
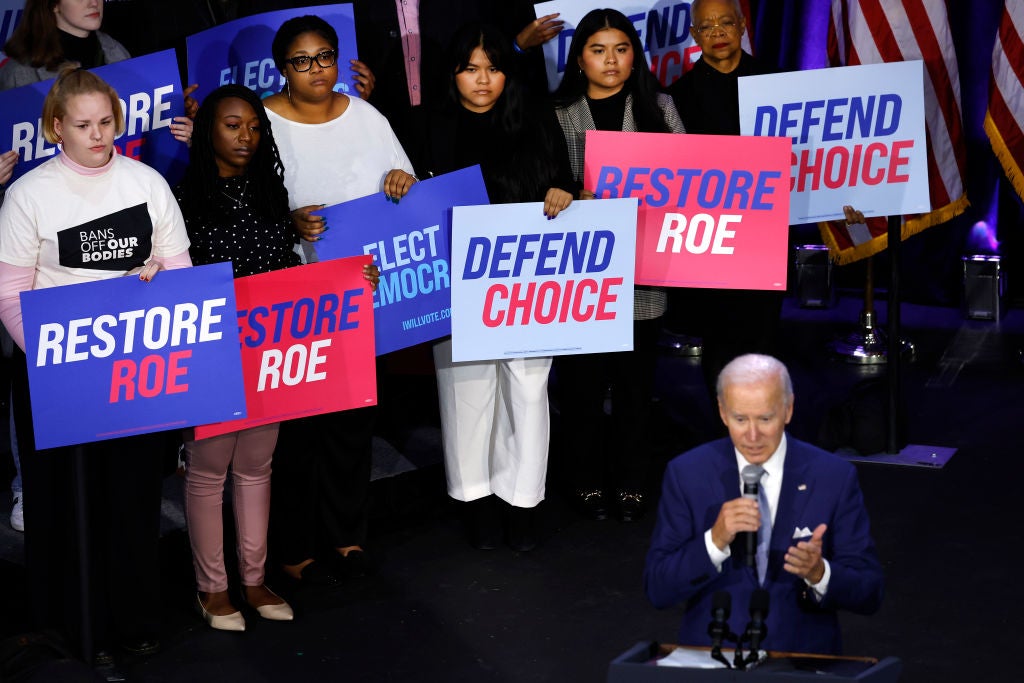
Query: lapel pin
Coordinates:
[801,487]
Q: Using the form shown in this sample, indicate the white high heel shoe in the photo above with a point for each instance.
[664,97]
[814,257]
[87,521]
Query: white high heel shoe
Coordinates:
[222,622]
[281,611]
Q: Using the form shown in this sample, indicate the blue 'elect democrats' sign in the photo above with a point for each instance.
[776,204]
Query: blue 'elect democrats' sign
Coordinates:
[10,15]
[239,51]
[149,88]
[409,242]
[121,356]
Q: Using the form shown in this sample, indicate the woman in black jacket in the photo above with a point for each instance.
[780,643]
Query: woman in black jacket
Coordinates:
[494,414]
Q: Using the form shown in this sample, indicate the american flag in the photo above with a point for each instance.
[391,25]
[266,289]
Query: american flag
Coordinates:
[749,20]
[1004,121]
[877,31]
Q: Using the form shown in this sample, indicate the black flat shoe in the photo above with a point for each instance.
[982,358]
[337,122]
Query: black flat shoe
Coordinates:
[313,575]
[106,668]
[103,658]
[356,564]
[592,504]
[141,647]
[631,506]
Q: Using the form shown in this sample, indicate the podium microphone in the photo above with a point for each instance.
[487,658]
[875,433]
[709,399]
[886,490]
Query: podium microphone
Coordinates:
[757,630]
[751,476]
[718,629]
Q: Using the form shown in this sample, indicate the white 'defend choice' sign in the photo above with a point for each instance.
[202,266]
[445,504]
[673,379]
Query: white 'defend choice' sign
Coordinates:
[523,285]
[858,136]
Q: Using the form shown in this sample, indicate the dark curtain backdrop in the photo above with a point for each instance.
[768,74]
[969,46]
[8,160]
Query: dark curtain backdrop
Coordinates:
[789,34]
[792,34]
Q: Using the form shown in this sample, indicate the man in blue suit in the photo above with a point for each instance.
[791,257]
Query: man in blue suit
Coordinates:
[821,557]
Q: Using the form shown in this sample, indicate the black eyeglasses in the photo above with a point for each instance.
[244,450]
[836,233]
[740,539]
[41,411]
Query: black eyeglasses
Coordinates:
[325,59]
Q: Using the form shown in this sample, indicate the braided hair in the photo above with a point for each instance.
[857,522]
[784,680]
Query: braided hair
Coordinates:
[198,190]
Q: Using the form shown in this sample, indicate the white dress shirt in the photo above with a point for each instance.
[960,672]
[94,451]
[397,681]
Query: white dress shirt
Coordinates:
[771,482]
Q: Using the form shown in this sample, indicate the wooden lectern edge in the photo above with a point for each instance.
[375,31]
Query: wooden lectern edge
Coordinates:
[667,648]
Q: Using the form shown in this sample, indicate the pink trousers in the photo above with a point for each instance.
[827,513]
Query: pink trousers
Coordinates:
[248,453]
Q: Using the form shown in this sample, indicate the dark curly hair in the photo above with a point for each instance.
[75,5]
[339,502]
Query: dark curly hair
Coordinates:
[198,190]
[295,27]
[641,83]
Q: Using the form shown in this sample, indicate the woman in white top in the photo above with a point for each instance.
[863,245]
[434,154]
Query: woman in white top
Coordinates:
[334,148]
[40,223]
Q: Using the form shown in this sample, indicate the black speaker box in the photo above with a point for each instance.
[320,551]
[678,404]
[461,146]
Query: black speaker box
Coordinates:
[814,286]
[984,287]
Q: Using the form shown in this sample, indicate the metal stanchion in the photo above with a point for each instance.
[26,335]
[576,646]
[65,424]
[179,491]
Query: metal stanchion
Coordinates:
[867,345]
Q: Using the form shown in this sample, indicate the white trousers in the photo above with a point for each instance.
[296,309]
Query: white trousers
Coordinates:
[495,426]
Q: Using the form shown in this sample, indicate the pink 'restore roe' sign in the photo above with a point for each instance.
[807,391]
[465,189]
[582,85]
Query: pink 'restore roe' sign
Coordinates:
[307,343]
[714,209]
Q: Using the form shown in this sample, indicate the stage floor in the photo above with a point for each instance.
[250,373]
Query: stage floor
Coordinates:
[438,610]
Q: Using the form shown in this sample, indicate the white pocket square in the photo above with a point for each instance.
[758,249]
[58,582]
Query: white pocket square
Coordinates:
[801,533]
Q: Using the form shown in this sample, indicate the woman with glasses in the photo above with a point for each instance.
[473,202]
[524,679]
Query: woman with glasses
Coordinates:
[607,85]
[706,95]
[730,322]
[334,148]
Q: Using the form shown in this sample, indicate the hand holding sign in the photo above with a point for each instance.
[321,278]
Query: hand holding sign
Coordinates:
[142,357]
[307,224]
[539,31]
[7,162]
[719,220]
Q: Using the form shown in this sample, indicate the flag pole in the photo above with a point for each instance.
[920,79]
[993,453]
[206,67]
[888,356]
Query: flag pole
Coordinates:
[894,439]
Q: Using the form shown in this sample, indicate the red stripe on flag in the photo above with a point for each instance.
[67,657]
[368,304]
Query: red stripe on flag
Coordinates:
[1012,44]
[837,26]
[1006,99]
[928,38]
[937,192]
[745,9]
[928,44]
[885,41]
[1009,130]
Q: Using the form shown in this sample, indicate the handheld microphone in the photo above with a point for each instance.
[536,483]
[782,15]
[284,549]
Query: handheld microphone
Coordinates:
[757,630]
[751,476]
[718,629]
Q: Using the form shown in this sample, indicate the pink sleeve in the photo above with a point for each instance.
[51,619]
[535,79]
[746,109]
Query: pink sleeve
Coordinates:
[182,260]
[13,281]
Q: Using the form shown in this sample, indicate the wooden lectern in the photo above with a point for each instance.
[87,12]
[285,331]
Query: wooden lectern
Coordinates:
[637,665]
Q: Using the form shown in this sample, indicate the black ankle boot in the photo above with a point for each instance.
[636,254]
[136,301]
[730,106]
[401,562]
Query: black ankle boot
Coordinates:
[522,535]
[592,504]
[632,506]
[483,522]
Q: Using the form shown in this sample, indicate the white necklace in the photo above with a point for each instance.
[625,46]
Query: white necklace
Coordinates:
[239,200]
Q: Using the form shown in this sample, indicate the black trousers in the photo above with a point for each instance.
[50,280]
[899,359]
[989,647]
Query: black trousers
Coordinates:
[121,483]
[619,459]
[736,322]
[321,484]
